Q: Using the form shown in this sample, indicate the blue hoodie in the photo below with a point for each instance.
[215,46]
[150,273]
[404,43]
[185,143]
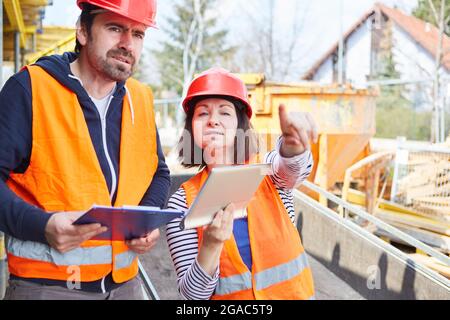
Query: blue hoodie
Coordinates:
[27,222]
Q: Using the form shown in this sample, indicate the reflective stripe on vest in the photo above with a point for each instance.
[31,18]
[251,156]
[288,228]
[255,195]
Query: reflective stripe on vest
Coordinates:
[234,283]
[264,278]
[64,174]
[281,272]
[76,257]
[275,274]
[44,253]
[124,259]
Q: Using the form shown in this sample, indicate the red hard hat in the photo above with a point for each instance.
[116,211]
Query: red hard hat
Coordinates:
[142,11]
[218,81]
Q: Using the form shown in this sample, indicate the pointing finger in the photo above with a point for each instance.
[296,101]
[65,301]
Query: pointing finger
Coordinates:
[293,132]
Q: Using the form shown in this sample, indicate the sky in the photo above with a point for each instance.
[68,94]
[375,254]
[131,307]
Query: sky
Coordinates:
[323,14]
[322,22]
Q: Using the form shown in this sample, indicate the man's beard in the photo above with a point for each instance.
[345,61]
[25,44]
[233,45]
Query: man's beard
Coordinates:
[114,70]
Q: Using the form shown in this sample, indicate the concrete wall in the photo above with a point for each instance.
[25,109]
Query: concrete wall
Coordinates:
[375,273]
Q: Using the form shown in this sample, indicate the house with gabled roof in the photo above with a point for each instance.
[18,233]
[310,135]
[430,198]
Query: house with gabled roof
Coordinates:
[387,34]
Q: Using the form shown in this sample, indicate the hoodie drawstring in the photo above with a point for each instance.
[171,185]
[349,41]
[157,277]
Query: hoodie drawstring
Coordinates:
[130,103]
[75,78]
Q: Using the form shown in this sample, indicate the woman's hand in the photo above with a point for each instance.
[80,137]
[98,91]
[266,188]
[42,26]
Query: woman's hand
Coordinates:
[214,237]
[220,229]
[298,128]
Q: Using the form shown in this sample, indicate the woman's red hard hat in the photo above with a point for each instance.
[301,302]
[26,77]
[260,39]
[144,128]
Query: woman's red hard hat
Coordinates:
[217,81]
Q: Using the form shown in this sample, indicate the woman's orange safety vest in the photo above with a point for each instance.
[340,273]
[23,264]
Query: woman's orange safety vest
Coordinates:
[64,175]
[280,269]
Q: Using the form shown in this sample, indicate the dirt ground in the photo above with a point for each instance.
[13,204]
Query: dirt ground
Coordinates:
[159,267]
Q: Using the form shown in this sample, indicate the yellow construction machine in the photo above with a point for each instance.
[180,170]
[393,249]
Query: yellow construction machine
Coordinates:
[345,117]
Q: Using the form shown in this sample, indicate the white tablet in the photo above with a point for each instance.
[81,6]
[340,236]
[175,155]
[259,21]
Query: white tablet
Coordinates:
[225,185]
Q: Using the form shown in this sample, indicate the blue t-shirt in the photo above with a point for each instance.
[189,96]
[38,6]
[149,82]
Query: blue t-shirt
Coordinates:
[240,232]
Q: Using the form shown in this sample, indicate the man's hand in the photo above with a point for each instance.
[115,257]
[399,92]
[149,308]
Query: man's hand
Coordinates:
[62,235]
[144,244]
[298,129]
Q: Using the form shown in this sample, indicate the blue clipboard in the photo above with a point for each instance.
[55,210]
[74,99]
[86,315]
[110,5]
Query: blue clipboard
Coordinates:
[127,222]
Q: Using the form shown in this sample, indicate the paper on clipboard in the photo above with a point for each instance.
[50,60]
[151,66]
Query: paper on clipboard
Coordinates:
[225,185]
[127,222]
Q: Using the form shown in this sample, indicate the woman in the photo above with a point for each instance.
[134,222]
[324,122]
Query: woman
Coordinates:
[260,256]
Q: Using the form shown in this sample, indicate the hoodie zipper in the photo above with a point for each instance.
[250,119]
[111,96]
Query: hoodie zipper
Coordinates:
[105,144]
[105,148]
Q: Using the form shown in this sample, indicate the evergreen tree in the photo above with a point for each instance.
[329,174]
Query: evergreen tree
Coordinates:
[193,39]
[425,12]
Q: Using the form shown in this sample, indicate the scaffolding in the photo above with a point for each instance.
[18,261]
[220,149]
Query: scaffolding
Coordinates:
[24,37]
[422,180]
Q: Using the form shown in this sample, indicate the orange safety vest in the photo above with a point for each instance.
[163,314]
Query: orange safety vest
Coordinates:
[280,269]
[64,175]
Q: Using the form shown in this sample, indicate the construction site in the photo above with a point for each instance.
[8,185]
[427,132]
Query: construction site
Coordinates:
[374,215]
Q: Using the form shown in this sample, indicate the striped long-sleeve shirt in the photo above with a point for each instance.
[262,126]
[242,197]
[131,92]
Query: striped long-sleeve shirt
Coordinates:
[193,282]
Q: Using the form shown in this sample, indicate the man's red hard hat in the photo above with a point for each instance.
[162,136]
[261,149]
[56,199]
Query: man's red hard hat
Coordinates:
[142,11]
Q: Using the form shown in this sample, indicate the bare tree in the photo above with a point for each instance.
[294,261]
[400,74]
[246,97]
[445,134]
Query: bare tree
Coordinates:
[194,43]
[438,116]
[192,52]
[275,43]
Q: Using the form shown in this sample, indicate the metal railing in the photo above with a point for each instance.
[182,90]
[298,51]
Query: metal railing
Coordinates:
[168,121]
[381,158]
[379,223]
[148,285]
[166,112]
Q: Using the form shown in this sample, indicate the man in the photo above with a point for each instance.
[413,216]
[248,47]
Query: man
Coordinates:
[77,130]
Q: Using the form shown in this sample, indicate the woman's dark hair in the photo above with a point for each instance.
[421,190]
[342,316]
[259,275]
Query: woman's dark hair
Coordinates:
[86,20]
[245,142]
